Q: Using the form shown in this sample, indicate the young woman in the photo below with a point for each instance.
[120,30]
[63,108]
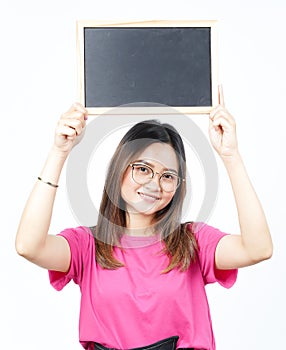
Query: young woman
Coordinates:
[142,273]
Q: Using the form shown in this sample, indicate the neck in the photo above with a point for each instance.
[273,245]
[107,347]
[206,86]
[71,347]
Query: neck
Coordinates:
[136,225]
[142,232]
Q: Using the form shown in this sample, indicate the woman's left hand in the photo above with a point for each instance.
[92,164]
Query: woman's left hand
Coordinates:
[222,130]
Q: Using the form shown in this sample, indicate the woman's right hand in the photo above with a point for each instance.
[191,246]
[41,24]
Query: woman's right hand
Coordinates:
[33,241]
[70,128]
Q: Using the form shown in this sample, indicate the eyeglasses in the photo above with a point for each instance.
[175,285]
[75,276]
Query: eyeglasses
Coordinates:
[143,174]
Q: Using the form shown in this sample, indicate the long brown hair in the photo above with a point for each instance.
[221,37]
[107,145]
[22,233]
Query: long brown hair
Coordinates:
[180,243]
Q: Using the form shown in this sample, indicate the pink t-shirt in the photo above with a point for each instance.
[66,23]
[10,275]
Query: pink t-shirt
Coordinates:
[136,305]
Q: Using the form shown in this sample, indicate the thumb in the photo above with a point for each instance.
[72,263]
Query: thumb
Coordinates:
[79,138]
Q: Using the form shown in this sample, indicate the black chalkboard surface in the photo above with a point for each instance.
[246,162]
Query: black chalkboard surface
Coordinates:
[161,63]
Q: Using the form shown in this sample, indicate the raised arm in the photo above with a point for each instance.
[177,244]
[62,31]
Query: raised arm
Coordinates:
[32,239]
[254,243]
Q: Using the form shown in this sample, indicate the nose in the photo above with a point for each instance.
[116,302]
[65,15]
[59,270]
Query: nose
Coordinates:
[154,182]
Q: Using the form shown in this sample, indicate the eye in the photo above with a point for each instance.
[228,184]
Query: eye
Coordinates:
[142,169]
[169,176]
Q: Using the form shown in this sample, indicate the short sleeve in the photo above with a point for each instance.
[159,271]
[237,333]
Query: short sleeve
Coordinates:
[207,239]
[78,240]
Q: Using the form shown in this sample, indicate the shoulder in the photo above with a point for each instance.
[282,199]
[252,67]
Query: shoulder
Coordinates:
[207,238]
[77,231]
[81,246]
[205,234]
[80,236]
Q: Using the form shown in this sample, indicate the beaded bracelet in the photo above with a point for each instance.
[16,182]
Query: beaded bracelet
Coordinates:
[48,183]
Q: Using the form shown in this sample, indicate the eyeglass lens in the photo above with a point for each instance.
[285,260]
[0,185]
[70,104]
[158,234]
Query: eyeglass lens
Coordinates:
[142,174]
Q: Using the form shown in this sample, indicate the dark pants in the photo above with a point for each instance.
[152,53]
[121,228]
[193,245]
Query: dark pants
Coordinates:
[165,344]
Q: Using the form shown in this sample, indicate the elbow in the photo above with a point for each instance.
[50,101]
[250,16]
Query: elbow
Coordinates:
[268,253]
[20,245]
[262,255]
[24,250]
[21,249]
[260,248]
[266,256]
[268,250]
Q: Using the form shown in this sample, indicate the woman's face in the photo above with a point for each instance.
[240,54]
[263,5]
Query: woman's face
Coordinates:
[149,198]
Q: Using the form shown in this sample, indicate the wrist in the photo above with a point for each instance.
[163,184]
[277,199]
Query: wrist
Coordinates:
[57,153]
[232,158]
[53,166]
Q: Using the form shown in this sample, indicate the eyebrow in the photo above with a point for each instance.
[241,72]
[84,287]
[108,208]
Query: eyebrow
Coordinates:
[152,166]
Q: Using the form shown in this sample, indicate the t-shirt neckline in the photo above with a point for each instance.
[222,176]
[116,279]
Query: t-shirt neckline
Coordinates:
[130,241]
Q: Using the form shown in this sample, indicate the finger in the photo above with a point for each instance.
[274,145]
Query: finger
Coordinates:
[79,108]
[74,119]
[73,115]
[221,112]
[74,124]
[66,131]
[217,111]
[222,123]
[221,96]
[216,128]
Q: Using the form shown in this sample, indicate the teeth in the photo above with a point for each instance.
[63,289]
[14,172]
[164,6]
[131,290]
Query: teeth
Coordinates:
[147,195]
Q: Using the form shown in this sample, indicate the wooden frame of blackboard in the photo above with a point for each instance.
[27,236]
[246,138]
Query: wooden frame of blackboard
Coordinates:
[145,109]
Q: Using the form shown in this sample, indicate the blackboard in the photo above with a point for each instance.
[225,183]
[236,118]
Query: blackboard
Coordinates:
[159,63]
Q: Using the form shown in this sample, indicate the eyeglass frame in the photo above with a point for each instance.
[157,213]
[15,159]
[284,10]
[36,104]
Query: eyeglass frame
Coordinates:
[180,180]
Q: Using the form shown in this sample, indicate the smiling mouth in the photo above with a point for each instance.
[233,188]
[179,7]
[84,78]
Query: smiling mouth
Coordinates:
[148,196]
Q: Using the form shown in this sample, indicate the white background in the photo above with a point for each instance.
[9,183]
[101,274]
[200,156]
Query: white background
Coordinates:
[38,82]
